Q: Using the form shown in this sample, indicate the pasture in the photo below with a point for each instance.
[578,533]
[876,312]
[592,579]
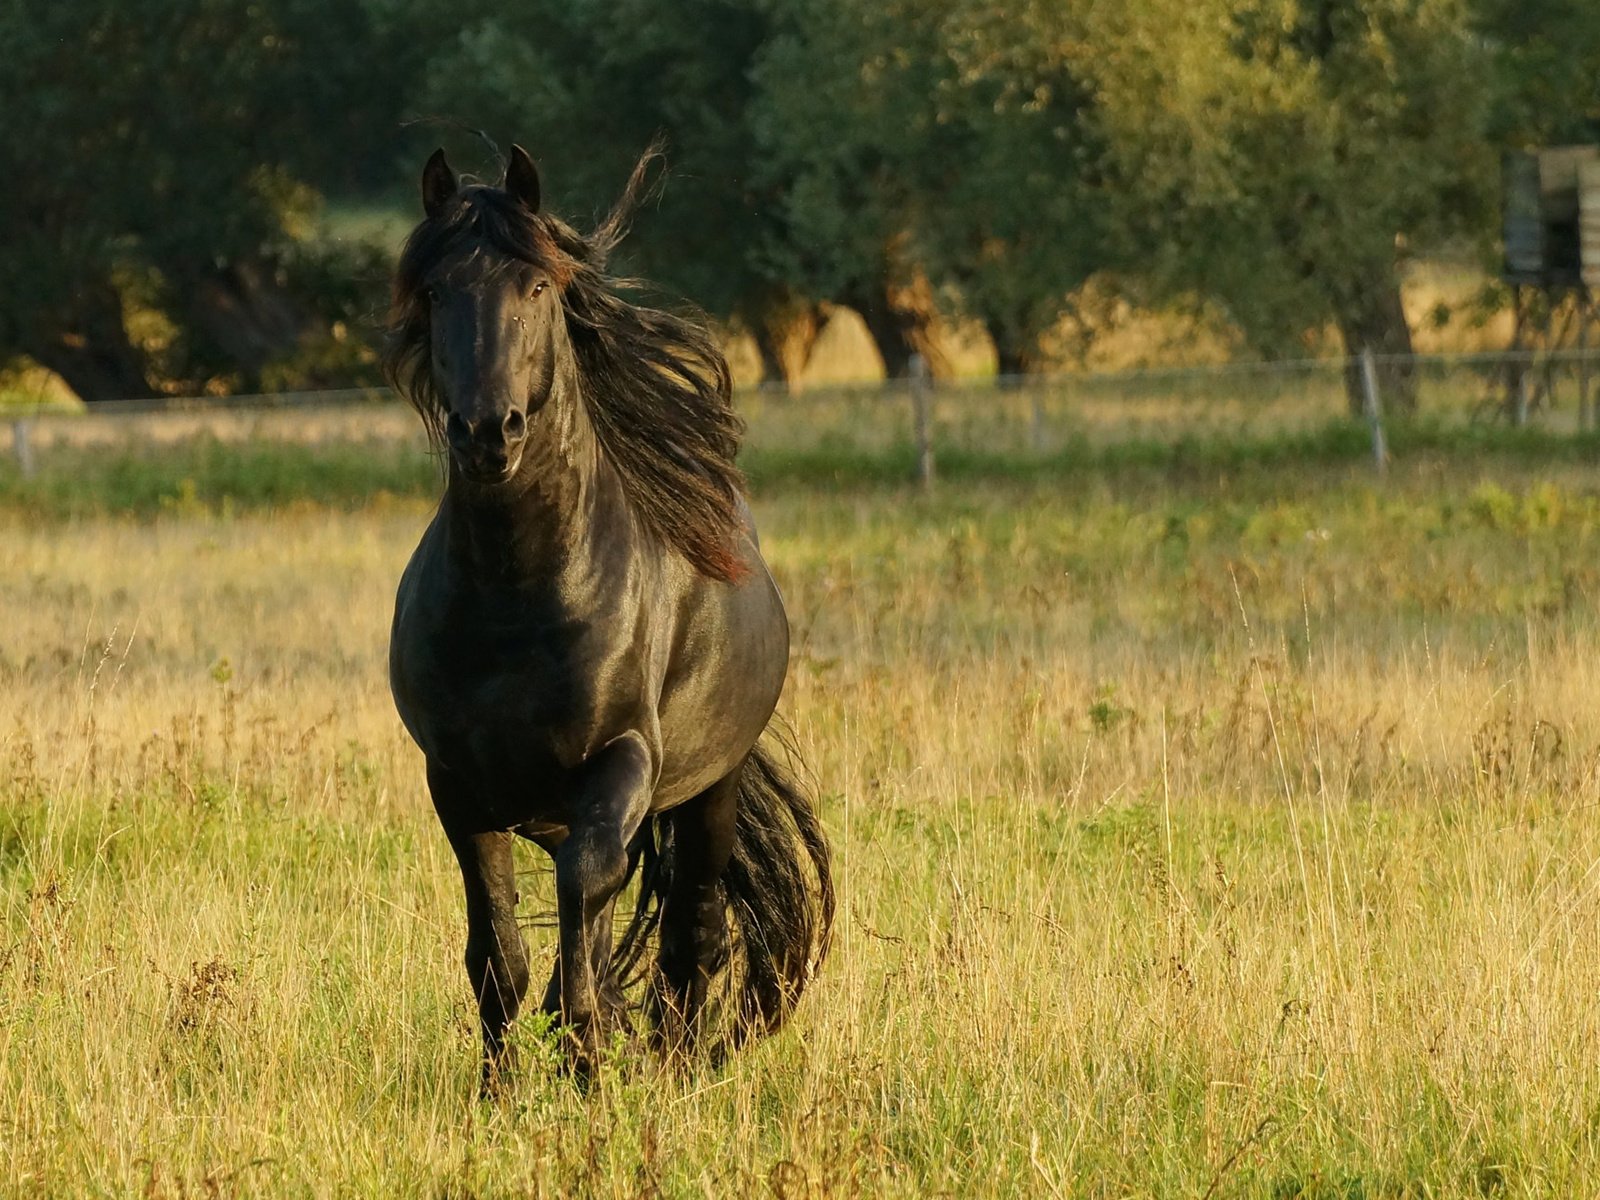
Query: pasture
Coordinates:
[1203,828]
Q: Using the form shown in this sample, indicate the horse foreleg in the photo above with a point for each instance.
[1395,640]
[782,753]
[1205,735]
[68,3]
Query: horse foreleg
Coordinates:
[591,867]
[497,957]
[694,931]
[599,964]
[549,839]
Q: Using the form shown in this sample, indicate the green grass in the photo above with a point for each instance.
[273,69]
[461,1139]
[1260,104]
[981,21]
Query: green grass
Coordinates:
[208,474]
[205,473]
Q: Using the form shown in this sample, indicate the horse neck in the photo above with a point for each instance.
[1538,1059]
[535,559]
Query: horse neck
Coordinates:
[543,523]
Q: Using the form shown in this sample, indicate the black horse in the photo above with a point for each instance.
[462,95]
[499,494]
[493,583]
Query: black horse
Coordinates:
[587,645]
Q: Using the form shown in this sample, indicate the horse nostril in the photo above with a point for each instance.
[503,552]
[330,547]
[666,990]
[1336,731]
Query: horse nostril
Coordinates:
[514,426]
[457,431]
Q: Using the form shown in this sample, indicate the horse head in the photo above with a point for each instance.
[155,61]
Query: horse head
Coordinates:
[491,293]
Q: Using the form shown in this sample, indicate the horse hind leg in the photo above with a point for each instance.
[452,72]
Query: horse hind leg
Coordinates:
[694,930]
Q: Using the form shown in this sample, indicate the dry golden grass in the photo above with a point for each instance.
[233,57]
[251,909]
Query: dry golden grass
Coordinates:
[1231,836]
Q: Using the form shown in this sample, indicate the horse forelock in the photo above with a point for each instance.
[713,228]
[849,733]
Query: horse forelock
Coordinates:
[655,385]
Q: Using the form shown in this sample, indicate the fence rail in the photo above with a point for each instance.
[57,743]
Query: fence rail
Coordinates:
[1018,415]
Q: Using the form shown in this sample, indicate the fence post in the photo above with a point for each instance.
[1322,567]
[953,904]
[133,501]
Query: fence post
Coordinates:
[1519,413]
[1584,415]
[22,445]
[921,404]
[1372,404]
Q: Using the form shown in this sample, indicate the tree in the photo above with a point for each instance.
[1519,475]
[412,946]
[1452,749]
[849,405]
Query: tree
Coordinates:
[843,118]
[1022,220]
[1546,79]
[937,143]
[1286,156]
[162,190]
[589,87]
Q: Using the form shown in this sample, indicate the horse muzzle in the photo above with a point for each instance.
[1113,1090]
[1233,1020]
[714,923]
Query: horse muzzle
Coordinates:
[488,449]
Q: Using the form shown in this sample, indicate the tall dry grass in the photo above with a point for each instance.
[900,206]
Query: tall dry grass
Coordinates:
[1214,836]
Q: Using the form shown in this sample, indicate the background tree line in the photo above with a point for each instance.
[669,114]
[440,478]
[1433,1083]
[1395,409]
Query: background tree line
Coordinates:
[1273,160]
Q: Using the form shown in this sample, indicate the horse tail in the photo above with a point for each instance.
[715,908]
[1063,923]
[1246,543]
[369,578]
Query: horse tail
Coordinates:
[779,890]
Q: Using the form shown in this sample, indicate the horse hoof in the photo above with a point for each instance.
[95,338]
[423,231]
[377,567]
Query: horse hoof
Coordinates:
[671,1037]
[583,1068]
[581,1060]
[494,1082]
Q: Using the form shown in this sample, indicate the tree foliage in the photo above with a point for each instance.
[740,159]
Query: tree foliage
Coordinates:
[588,87]
[1546,77]
[1277,159]
[1283,157]
[151,201]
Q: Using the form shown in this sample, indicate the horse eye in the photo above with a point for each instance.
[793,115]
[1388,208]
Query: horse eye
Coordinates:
[432,293]
[538,289]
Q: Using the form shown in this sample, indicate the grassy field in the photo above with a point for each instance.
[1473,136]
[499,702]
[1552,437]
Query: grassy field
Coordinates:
[1206,827]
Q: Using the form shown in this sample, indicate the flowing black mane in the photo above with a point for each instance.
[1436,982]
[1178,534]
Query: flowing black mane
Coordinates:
[655,386]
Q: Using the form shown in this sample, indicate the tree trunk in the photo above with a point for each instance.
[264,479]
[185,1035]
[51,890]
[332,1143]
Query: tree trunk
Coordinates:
[245,318]
[891,331]
[900,320]
[91,351]
[1376,320]
[772,371]
[1015,355]
[785,335]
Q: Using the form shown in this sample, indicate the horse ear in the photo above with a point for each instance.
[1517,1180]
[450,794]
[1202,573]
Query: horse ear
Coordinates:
[522,179]
[438,184]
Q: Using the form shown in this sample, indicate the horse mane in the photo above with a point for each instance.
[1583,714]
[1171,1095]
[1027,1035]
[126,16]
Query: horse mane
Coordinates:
[654,384]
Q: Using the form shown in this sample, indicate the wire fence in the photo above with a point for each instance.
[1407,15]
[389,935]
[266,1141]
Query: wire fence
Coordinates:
[1022,416]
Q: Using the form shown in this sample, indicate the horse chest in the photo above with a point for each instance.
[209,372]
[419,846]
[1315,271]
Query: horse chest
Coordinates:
[513,701]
